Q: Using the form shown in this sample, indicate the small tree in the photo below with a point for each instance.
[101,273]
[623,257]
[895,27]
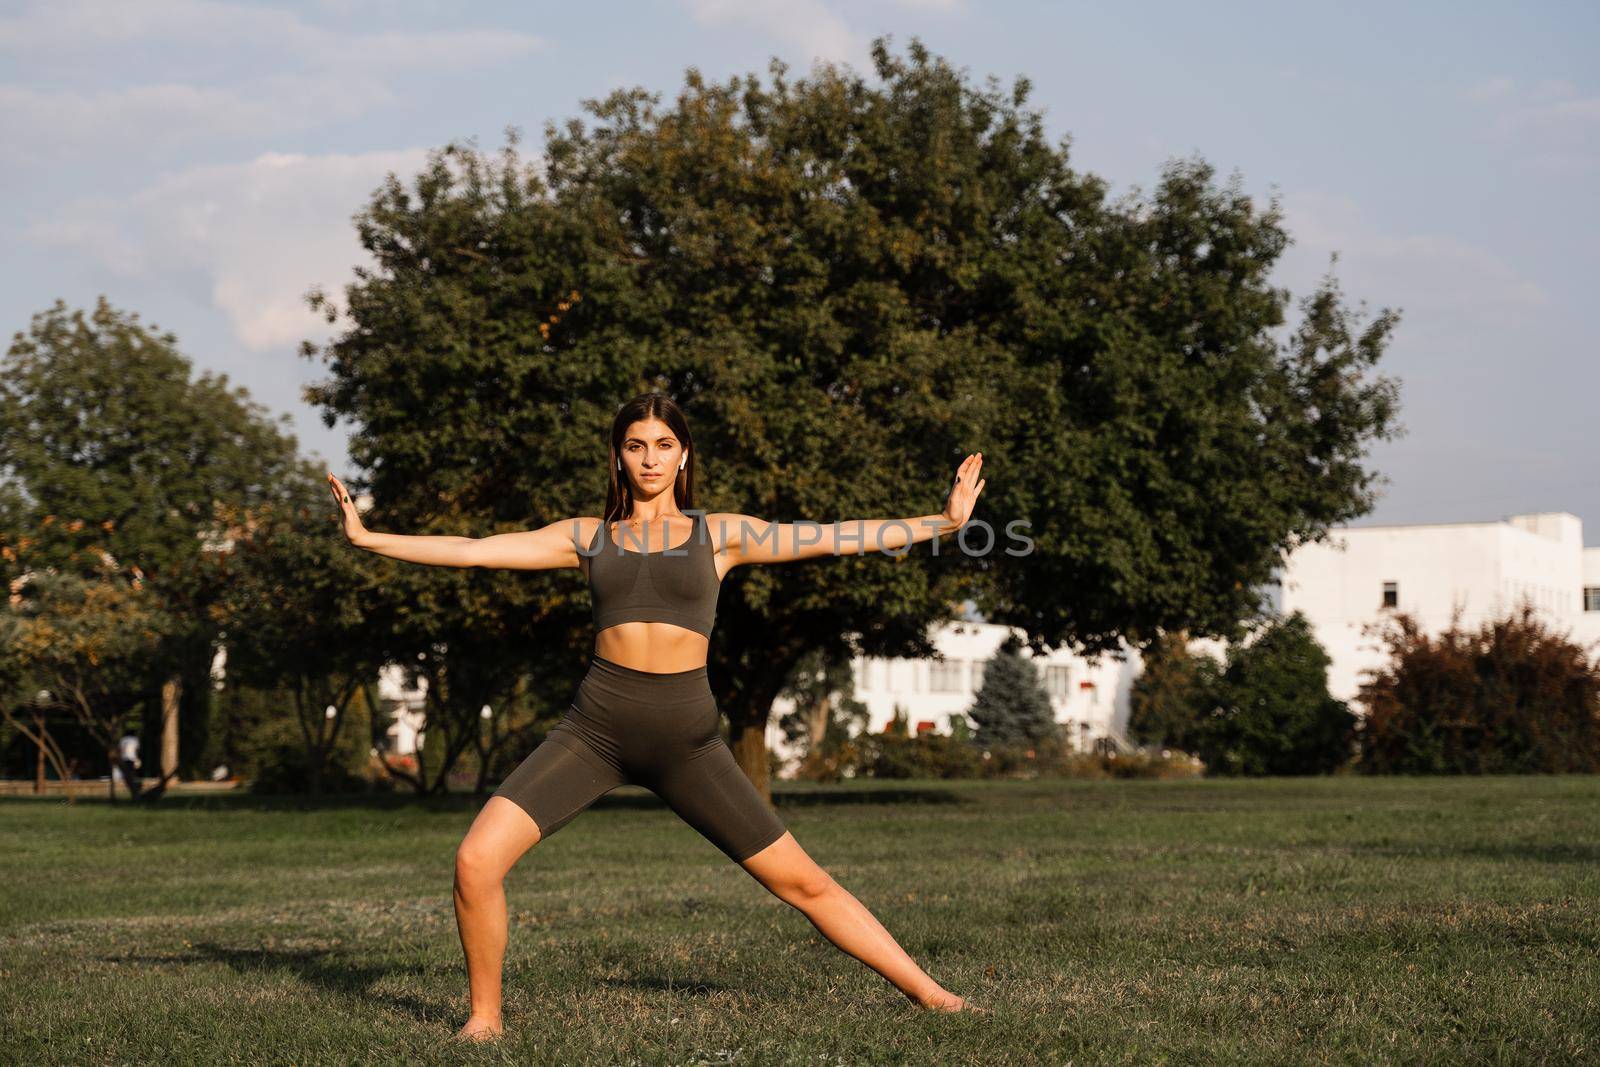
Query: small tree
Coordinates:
[1172,694]
[298,615]
[1271,712]
[1511,697]
[1012,707]
[88,641]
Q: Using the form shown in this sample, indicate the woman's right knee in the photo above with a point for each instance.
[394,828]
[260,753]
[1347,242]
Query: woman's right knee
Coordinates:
[479,864]
[493,846]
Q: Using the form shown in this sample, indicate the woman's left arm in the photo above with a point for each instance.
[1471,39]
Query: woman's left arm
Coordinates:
[747,539]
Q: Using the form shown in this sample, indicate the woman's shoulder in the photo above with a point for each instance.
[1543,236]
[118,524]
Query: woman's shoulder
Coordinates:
[728,526]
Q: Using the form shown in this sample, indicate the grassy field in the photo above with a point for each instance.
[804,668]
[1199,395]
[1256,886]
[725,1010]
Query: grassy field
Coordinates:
[1335,920]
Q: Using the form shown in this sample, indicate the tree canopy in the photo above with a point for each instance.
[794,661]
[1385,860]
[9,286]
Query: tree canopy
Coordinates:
[115,454]
[848,284]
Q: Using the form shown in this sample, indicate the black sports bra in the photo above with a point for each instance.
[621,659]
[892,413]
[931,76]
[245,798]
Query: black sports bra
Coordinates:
[678,584]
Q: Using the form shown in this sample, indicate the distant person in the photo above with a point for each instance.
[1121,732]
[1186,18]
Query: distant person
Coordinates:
[128,763]
[644,713]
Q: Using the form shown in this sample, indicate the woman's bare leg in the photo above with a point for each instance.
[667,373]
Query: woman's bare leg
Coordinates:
[499,836]
[785,869]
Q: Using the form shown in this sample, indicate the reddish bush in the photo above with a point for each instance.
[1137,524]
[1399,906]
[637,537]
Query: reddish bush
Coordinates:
[1512,697]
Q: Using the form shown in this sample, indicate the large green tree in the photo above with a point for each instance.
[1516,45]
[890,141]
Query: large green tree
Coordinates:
[111,446]
[849,284]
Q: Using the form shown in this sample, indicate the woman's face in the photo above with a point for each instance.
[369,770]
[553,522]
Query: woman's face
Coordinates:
[650,456]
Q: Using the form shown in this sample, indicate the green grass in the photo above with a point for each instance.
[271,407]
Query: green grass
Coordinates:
[1335,920]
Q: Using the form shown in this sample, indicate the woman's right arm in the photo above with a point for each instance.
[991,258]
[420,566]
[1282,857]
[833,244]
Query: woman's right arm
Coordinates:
[543,549]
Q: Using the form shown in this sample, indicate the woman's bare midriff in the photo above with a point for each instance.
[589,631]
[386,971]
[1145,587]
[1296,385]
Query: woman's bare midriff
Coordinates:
[658,647]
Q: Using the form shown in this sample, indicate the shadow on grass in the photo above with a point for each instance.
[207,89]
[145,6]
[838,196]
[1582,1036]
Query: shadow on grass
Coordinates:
[1518,851]
[662,985]
[811,797]
[626,798]
[320,968]
[232,802]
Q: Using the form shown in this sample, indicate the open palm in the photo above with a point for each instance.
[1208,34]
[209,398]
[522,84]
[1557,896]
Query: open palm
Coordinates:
[348,516]
[964,493]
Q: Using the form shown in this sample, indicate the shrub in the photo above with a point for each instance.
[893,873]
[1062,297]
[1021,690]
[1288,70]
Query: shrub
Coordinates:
[926,756]
[1271,712]
[943,756]
[1511,697]
[1141,763]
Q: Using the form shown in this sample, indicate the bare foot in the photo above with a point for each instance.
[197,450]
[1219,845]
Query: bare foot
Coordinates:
[477,1029]
[951,1002]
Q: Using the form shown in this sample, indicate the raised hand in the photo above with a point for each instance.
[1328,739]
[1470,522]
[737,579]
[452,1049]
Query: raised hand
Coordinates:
[964,493]
[353,527]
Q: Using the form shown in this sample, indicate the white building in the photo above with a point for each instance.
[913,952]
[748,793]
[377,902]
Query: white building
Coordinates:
[1089,697]
[1483,568]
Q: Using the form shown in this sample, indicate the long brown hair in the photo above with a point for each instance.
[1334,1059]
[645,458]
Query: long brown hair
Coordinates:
[619,501]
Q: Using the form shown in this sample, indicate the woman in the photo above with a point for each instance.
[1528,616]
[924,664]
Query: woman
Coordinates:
[644,713]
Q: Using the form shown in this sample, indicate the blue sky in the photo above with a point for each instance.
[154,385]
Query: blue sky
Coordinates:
[198,162]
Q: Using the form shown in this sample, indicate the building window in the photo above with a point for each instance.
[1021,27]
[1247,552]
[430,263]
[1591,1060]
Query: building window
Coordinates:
[1057,682]
[977,675]
[1391,594]
[945,675]
[1591,598]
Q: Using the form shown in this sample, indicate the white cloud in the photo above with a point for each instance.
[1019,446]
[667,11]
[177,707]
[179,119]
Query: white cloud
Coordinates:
[809,25]
[1443,283]
[259,234]
[1552,111]
[1492,89]
[942,6]
[51,126]
[323,74]
[90,25]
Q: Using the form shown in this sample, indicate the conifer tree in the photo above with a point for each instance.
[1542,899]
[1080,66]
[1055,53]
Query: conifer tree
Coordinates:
[1012,707]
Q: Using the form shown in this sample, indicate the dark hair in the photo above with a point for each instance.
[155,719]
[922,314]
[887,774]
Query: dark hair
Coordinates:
[619,501]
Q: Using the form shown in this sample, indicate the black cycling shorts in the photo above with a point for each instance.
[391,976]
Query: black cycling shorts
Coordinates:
[661,731]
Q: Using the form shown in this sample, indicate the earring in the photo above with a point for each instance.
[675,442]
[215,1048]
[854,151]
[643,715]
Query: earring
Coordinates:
[619,463]
[682,461]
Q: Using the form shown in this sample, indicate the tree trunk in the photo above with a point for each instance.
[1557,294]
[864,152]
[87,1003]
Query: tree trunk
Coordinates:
[748,739]
[171,689]
[38,770]
[748,705]
[817,722]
